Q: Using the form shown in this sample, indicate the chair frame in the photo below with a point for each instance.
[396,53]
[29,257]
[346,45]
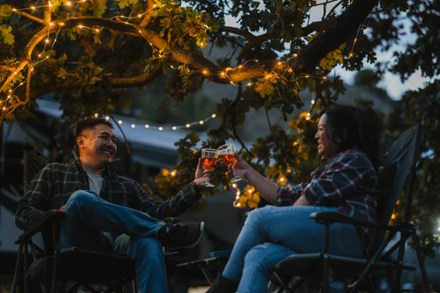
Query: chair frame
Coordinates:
[405,228]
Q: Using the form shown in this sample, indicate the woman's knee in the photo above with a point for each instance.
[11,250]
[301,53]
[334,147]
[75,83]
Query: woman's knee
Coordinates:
[259,214]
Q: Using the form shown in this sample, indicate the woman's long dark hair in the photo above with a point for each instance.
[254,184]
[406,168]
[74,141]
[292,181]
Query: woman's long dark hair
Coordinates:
[350,127]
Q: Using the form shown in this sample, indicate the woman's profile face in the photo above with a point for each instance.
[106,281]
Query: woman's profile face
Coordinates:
[326,147]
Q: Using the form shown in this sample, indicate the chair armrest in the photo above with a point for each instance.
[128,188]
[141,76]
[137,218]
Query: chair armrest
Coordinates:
[328,217]
[50,217]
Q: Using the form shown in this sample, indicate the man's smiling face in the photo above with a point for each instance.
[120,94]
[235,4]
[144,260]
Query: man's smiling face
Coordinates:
[97,147]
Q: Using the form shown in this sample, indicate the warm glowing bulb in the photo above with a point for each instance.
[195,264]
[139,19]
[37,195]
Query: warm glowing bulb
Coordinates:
[213,115]
[187,125]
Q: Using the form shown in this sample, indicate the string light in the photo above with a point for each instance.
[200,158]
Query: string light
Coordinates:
[49,5]
[161,127]
[350,55]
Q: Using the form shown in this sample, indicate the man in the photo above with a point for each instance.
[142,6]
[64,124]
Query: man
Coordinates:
[107,212]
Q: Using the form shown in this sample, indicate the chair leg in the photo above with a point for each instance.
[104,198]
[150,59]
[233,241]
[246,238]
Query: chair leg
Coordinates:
[18,265]
[421,262]
[325,274]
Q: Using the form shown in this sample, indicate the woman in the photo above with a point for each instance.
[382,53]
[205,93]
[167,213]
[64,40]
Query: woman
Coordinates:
[348,138]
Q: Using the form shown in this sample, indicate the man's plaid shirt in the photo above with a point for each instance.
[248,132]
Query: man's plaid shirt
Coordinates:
[53,185]
[347,181]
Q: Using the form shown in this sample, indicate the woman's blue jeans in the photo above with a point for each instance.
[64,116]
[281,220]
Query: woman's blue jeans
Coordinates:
[272,233]
[95,224]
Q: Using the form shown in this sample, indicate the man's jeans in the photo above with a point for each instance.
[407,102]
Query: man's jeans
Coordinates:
[272,233]
[90,223]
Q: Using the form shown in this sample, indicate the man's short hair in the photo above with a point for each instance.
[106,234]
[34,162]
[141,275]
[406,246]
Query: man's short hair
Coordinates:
[89,123]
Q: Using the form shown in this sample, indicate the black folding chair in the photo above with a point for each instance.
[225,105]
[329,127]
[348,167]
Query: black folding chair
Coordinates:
[398,167]
[43,268]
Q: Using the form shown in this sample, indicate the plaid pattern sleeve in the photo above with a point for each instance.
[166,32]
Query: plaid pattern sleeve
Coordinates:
[287,195]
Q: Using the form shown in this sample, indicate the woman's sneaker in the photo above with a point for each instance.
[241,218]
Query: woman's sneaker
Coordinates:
[181,234]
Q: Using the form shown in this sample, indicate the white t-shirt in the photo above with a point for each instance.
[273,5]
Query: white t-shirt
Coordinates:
[95,182]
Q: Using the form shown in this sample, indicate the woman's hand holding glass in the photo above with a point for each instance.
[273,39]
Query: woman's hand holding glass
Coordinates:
[226,154]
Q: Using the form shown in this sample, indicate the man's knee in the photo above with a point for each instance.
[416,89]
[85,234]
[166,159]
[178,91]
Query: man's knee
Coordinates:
[77,199]
[80,196]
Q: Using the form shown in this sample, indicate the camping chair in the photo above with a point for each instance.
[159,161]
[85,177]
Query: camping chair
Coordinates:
[55,270]
[398,166]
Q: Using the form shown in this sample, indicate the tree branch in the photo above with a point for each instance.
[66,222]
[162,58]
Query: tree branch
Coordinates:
[341,29]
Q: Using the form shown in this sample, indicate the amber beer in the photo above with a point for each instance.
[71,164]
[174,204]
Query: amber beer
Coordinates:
[208,163]
[209,159]
[228,159]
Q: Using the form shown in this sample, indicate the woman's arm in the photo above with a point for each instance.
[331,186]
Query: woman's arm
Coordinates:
[264,186]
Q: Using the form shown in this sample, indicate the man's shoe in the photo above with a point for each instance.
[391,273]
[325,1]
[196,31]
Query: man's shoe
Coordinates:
[181,234]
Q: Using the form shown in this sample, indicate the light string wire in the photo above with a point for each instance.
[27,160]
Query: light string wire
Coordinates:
[159,127]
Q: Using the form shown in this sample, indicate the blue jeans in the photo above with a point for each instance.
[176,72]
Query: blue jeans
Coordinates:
[95,224]
[272,233]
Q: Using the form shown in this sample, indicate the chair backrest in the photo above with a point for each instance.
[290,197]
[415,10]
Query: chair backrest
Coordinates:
[398,160]
[32,163]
